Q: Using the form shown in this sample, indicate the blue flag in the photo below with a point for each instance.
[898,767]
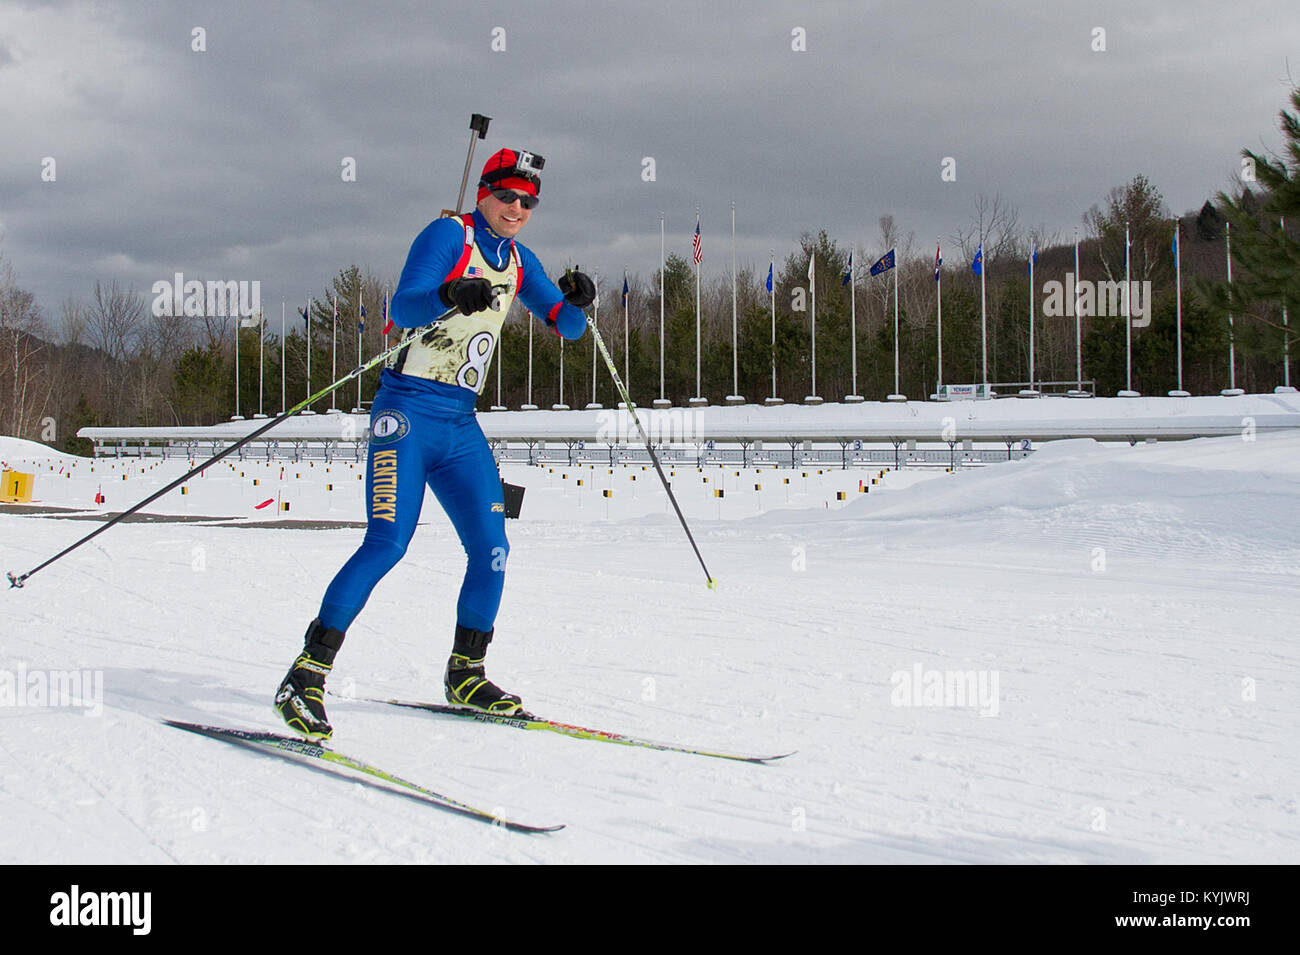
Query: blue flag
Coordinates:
[1033,260]
[361,322]
[978,265]
[1173,247]
[625,290]
[848,276]
[306,313]
[885,264]
[769,277]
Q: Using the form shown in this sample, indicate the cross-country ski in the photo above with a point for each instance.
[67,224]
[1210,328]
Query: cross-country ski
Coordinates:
[295,748]
[528,721]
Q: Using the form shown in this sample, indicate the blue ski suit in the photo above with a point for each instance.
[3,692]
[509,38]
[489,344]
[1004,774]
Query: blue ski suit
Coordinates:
[422,422]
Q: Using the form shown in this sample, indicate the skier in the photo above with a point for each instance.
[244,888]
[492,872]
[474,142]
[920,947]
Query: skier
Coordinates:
[423,431]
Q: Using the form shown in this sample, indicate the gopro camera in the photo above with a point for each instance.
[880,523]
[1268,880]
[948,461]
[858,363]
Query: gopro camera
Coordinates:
[529,163]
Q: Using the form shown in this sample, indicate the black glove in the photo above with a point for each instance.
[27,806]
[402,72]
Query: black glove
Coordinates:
[468,295]
[579,290]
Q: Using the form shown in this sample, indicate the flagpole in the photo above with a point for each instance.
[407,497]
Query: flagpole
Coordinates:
[283,377]
[238,321]
[1128,319]
[898,391]
[560,405]
[1033,254]
[261,358]
[595,323]
[771,289]
[984,326]
[1078,320]
[307,320]
[498,406]
[627,338]
[529,406]
[1286,339]
[334,348]
[813,398]
[1177,249]
[361,330]
[661,401]
[853,318]
[938,301]
[735,396]
[1232,343]
[697,257]
[853,326]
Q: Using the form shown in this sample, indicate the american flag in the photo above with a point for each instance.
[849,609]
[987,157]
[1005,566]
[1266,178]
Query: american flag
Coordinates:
[938,261]
[696,247]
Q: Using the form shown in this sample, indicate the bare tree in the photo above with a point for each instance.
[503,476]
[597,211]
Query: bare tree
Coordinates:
[996,226]
[114,318]
[22,338]
[72,330]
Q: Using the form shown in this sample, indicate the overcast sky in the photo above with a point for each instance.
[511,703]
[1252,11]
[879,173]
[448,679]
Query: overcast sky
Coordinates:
[227,163]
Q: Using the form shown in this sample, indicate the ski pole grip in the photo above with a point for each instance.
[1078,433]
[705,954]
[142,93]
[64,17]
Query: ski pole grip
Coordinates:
[497,292]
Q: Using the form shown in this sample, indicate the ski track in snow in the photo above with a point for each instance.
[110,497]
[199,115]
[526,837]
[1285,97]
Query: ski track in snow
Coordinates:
[1136,604]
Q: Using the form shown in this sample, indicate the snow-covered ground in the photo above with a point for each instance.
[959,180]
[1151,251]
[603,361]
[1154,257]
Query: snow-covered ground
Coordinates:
[1124,617]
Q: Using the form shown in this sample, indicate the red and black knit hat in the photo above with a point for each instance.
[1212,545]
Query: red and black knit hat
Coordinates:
[502,172]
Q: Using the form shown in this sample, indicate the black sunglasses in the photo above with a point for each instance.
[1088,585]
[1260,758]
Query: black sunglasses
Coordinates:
[508,196]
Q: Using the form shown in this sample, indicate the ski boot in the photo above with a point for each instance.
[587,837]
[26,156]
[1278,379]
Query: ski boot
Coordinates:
[465,682]
[300,698]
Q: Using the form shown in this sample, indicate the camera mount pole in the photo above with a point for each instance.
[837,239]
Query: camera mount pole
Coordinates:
[478,125]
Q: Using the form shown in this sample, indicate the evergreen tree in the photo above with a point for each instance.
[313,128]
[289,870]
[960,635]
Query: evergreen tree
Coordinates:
[83,416]
[1209,224]
[1265,254]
